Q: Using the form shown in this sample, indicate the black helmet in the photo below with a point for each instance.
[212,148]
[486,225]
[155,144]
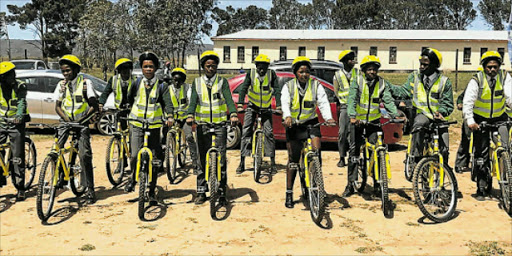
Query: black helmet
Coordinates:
[149,56]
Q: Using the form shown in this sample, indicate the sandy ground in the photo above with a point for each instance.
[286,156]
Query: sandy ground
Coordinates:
[258,222]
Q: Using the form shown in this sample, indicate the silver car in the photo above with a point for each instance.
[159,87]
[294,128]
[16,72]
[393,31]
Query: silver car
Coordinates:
[30,64]
[41,87]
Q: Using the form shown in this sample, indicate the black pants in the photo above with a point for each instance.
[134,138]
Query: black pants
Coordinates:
[344,123]
[17,138]
[204,142]
[84,152]
[248,130]
[422,121]
[462,160]
[137,142]
[356,140]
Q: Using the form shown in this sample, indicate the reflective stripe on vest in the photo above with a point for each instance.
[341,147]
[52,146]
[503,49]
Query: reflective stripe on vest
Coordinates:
[260,94]
[368,107]
[489,103]
[9,109]
[306,110]
[343,84]
[118,90]
[147,108]
[211,107]
[424,104]
[75,104]
[180,103]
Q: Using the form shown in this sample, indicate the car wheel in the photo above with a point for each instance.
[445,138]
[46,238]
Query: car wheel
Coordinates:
[234,135]
[106,123]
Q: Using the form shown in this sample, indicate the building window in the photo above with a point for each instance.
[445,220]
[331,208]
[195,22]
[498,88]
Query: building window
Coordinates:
[355,50]
[373,50]
[467,55]
[321,53]
[282,53]
[227,54]
[302,50]
[392,55]
[255,52]
[501,51]
[241,54]
[482,51]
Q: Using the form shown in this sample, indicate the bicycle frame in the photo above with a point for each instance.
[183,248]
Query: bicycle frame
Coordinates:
[213,149]
[61,161]
[372,159]
[143,150]
[495,148]
[123,134]
[255,136]
[4,160]
[178,132]
[308,151]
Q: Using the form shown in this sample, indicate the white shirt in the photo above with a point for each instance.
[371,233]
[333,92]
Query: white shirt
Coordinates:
[321,99]
[59,90]
[177,90]
[471,95]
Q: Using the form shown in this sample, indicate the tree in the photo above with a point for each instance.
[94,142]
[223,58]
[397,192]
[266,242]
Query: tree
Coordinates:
[232,20]
[286,14]
[357,14]
[495,12]
[318,14]
[460,13]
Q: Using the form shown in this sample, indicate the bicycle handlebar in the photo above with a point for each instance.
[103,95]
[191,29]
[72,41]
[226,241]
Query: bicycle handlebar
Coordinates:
[390,121]
[484,124]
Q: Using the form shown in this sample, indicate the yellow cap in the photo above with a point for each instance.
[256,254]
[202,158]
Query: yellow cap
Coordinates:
[209,54]
[122,61]
[179,70]
[489,55]
[344,53]
[70,58]
[6,66]
[370,59]
[262,58]
[437,53]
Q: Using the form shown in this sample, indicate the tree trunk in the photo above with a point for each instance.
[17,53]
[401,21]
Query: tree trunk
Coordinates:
[183,51]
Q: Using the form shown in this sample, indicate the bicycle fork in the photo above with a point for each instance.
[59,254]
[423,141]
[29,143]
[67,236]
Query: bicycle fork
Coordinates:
[146,150]
[309,150]
[441,165]
[255,136]
[213,149]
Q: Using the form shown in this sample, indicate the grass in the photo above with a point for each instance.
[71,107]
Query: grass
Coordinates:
[87,247]
[486,248]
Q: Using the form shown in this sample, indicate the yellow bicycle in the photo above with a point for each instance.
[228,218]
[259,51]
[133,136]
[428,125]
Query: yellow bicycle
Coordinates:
[175,151]
[118,155]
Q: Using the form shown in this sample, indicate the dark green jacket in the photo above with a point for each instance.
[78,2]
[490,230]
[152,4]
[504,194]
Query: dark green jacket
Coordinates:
[274,84]
[226,93]
[386,98]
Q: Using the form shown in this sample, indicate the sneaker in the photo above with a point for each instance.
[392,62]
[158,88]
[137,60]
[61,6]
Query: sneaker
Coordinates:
[349,190]
[479,196]
[223,201]
[459,170]
[20,196]
[130,186]
[289,200]
[3,180]
[341,163]
[91,198]
[200,199]
[240,169]
[273,170]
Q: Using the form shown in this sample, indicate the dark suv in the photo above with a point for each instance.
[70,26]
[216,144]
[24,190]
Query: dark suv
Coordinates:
[323,69]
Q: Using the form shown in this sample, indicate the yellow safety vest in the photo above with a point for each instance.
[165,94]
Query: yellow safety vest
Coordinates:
[180,103]
[489,103]
[75,104]
[211,107]
[147,107]
[368,107]
[118,91]
[260,94]
[9,109]
[341,88]
[427,103]
[305,110]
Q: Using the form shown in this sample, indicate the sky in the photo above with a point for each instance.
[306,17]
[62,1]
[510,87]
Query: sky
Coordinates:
[16,33]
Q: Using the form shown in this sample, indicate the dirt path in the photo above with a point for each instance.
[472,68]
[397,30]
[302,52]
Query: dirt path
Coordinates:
[258,222]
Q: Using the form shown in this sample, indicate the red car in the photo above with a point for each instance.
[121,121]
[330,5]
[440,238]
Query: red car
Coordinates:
[392,132]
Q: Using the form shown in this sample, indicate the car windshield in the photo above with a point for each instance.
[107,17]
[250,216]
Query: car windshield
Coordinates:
[98,84]
[24,65]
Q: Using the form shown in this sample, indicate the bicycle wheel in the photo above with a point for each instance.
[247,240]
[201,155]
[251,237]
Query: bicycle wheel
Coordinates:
[114,161]
[143,190]
[362,175]
[170,156]
[506,181]
[30,162]
[182,155]
[386,203]
[213,183]
[77,176]
[258,157]
[408,168]
[45,188]
[316,190]
[303,188]
[439,202]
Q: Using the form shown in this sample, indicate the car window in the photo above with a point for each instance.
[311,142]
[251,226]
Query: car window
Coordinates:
[24,65]
[330,95]
[35,84]
[52,84]
[98,84]
[283,80]
[40,65]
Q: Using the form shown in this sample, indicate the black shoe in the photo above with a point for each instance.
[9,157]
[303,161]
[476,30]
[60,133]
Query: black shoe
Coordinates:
[3,180]
[91,198]
[341,163]
[240,169]
[479,196]
[459,170]
[289,200]
[273,170]
[130,186]
[20,196]
[200,199]
[223,201]
[153,201]
[376,191]
[349,190]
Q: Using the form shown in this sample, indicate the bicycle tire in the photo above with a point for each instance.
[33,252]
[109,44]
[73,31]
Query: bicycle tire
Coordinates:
[258,157]
[316,191]
[408,167]
[115,173]
[429,200]
[386,204]
[182,156]
[506,181]
[143,192]
[303,188]
[213,184]
[30,162]
[170,157]
[76,176]
[362,175]
[45,188]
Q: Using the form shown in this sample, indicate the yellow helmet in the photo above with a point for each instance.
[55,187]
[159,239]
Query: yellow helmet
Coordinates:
[369,60]
[431,53]
[209,55]
[179,70]
[6,66]
[262,58]
[301,59]
[345,53]
[122,61]
[71,59]
[491,55]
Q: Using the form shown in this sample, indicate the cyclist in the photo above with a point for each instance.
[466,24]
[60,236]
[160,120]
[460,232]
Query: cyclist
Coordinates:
[120,84]
[180,95]
[76,102]
[13,104]
[300,98]
[365,95]
[260,85]
[211,102]
[432,97]
[148,99]
[486,97]
[341,83]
